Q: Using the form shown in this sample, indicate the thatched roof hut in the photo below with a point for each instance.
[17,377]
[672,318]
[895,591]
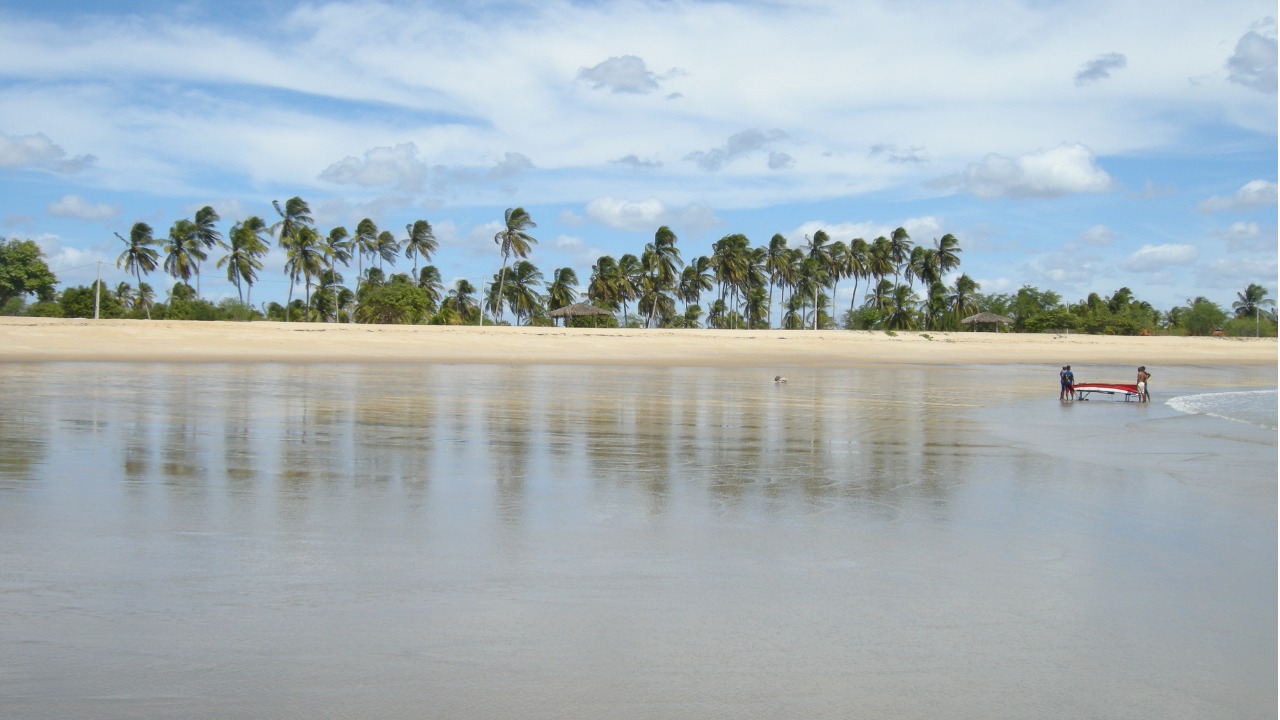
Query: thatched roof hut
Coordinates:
[578,310]
[986,318]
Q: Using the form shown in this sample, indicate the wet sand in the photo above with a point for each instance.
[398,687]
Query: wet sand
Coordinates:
[33,339]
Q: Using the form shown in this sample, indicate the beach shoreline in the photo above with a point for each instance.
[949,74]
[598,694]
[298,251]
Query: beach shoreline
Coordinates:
[81,340]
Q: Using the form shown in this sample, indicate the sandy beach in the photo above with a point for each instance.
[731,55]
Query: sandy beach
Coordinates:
[51,340]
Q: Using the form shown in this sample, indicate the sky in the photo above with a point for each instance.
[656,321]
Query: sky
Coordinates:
[1076,147]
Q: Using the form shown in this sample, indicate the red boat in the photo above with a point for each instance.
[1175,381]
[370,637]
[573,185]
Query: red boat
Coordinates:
[1083,390]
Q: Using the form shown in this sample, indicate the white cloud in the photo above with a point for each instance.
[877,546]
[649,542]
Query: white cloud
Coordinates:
[39,152]
[397,167]
[511,165]
[570,218]
[913,155]
[1151,189]
[582,254]
[780,161]
[1253,64]
[1228,275]
[1154,258]
[1254,194]
[1100,68]
[627,214]
[75,206]
[922,230]
[635,162]
[626,74]
[737,146]
[1066,169]
[567,243]
[1248,237]
[1096,236]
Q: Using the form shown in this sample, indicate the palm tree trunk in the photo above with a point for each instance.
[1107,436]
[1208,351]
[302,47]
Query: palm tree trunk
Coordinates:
[138,275]
[502,281]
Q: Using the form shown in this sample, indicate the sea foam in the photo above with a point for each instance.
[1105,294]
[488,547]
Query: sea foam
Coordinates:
[1255,407]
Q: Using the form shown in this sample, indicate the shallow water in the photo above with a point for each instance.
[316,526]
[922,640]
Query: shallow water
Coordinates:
[221,541]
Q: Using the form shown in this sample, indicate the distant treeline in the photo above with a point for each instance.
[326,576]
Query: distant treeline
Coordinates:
[735,286]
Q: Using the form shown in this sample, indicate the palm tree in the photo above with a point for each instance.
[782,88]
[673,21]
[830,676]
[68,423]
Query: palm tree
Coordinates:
[388,248]
[522,294]
[421,242]
[295,215]
[139,255]
[124,293]
[206,234]
[788,279]
[902,304]
[793,312]
[818,272]
[732,269]
[775,258]
[899,251]
[306,258]
[337,249]
[241,260]
[146,297]
[461,299]
[183,252]
[561,292]
[963,298]
[365,242]
[811,279]
[948,254]
[856,266]
[513,239]
[430,283]
[330,305]
[603,288]
[838,260]
[913,265]
[881,296]
[660,260]
[935,307]
[628,282]
[880,259]
[696,278]
[756,308]
[1250,302]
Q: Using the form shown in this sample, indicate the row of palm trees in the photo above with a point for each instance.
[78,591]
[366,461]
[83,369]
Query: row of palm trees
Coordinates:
[740,280]
[309,253]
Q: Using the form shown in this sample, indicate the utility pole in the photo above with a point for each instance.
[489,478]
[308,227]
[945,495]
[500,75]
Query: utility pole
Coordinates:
[97,291]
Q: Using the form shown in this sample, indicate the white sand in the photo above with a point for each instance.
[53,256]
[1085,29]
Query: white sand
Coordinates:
[43,340]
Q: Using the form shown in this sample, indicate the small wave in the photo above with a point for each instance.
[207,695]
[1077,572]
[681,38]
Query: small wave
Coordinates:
[1254,407]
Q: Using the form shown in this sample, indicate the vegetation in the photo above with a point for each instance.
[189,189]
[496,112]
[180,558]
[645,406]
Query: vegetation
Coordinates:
[898,284]
[23,272]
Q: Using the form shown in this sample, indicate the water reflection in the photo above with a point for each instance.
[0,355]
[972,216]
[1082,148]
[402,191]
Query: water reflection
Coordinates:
[827,440]
[564,542]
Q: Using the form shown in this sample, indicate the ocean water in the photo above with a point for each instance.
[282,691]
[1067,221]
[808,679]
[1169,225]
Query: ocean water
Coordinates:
[408,541]
[1253,407]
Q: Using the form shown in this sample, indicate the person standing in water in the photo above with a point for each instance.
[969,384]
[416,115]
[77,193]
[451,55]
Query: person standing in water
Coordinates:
[1144,394]
[1068,382]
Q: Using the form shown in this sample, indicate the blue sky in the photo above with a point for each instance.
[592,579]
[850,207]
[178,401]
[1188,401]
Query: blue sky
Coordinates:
[1074,146]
